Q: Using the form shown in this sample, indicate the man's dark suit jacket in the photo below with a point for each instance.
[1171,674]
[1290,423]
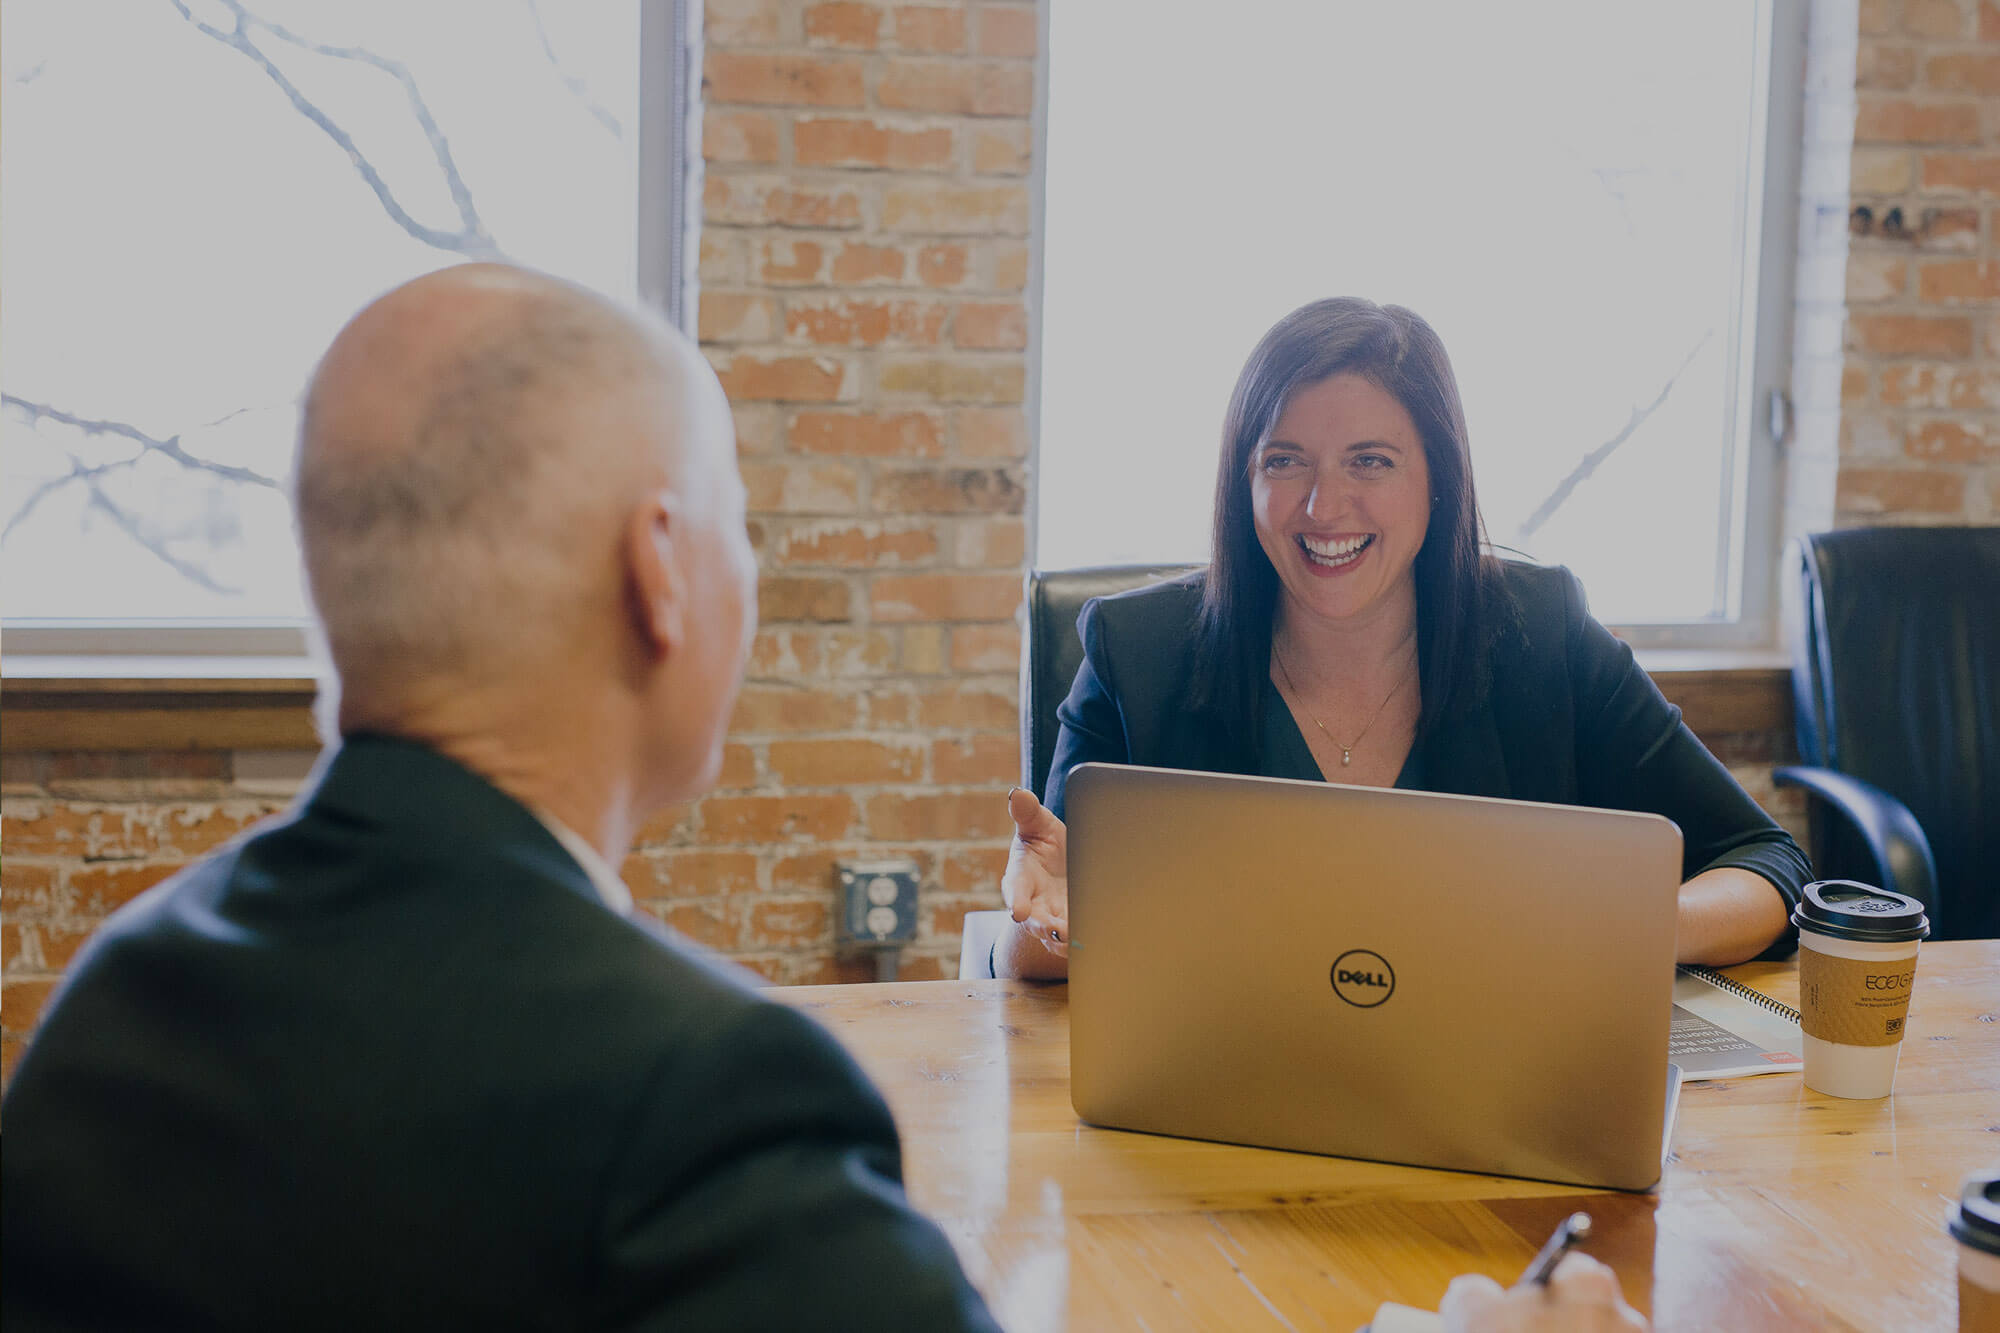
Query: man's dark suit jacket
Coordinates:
[1570,718]
[391,1062]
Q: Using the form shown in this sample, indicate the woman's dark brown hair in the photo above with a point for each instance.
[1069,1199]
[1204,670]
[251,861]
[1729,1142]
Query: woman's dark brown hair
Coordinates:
[1459,594]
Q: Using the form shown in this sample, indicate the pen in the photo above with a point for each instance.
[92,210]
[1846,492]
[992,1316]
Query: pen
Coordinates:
[1574,1228]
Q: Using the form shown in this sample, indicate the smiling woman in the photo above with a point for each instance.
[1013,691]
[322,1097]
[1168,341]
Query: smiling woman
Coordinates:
[1355,625]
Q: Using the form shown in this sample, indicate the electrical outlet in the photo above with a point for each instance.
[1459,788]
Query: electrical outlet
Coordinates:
[880,901]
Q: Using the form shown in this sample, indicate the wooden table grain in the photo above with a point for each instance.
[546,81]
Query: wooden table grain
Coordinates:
[1781,1208]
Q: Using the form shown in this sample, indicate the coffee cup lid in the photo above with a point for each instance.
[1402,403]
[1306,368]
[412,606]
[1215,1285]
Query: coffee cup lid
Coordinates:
[1848,910]
[1976,1220]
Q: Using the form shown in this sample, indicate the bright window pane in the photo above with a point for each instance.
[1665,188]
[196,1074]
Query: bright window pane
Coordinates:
[1567,200]
[184,235]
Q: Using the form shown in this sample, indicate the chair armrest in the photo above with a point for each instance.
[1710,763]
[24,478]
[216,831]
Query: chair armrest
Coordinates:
[1902,853]
[975,950]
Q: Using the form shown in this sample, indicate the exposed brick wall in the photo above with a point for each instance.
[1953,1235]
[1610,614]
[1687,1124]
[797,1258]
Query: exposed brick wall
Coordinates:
[1920,434]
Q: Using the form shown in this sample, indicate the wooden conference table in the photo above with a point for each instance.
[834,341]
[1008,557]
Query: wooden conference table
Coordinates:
[1781,1208]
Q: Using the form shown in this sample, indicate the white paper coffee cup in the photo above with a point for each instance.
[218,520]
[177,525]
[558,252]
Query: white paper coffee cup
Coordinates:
[1975,1225]
[1857,964]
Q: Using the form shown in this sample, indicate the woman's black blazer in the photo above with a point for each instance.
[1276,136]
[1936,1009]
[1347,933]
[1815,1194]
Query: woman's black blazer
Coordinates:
[1569,718]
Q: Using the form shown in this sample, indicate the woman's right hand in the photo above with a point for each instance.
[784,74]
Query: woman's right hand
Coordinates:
[1036,885]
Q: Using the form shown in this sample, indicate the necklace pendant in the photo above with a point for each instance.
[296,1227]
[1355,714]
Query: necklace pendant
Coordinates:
[1346,756]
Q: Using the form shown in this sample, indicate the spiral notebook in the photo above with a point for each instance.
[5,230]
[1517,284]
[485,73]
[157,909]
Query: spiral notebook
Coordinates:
[1722,1029]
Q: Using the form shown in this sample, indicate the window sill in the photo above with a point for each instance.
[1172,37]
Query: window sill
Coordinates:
[265,703]
[148,703]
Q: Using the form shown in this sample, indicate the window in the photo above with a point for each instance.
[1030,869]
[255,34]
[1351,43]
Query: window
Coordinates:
[198,193]
[1591,204]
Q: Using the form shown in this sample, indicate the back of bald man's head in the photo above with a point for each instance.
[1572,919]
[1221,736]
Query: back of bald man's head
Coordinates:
[470,445]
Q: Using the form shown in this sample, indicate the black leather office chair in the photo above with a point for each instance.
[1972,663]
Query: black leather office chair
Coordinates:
[1051,653]
[1896,676]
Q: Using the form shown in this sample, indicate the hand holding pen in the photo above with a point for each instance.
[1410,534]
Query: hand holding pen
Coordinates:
[1560,1292]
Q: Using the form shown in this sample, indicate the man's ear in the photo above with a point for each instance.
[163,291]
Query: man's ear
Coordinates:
[654,573]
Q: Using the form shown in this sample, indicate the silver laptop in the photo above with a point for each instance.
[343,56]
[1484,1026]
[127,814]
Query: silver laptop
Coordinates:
[1443,981]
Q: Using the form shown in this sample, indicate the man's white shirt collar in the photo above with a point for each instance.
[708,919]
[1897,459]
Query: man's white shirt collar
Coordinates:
[602,877]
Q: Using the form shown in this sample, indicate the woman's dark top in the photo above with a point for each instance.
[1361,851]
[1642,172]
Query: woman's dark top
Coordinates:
[1569,718]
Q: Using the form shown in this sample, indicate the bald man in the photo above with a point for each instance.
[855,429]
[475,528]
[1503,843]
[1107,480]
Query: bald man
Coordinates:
[404,1057]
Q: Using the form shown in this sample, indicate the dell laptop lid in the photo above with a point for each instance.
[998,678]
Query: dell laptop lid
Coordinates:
[1443,981]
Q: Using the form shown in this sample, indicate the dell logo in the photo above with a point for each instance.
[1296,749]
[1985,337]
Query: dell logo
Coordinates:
[1363,978]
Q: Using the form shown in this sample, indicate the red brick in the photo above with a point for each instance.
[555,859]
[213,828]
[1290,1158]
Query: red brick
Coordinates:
[731,76]
[854,27]
[797,379]
[1959,282]
[1877,17]
[992,543]
[1007,32]
[1975,173]
[721,258]
[27,890]
[867,434]
[22,1002]
[857,264]
[1948,229]
[711,925]
[794,598]
[1880,66]
[893,707]
[991,432]
[762,201]
[1010,267]
[859,652]
[957,210]
[900,597]
[788,923]
[1893,120]
[808,871]
[930,28]
[1854,384]
[937,815]
[991,325]
[947,915]
[949,491]
[1964,72]
[866,545]
[739,768]
[839,761]
[958,87]
[1909,386]
[739,136]
[785,262]
[741,22]
[667,826]
[1934,18]
[954,381]
[765,819]
[871,143]
[926,967]
[756,427]
[1000,150]
[1936,337]
[994,760]
[941,265]
[197,829]
[1949,442]
[985,648]
[841,970]
[789,653]
[1875,277]
[1989,21]
[1899,491]
[796,486]
[841,321]
[53,828]
[101,888]
[1973,389]
[765,709]
[969,706]
[691,874]
[737,317]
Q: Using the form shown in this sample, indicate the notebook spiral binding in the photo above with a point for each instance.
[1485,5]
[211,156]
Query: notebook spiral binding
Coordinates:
[1758,998]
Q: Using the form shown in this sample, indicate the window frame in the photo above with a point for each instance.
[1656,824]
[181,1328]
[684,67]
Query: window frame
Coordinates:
[669,199]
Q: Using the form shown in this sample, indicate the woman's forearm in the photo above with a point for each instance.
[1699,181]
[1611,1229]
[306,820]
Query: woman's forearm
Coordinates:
[1019,954]
[1728,916]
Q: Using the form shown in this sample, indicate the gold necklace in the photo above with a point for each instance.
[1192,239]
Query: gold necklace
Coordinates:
[1346,751]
